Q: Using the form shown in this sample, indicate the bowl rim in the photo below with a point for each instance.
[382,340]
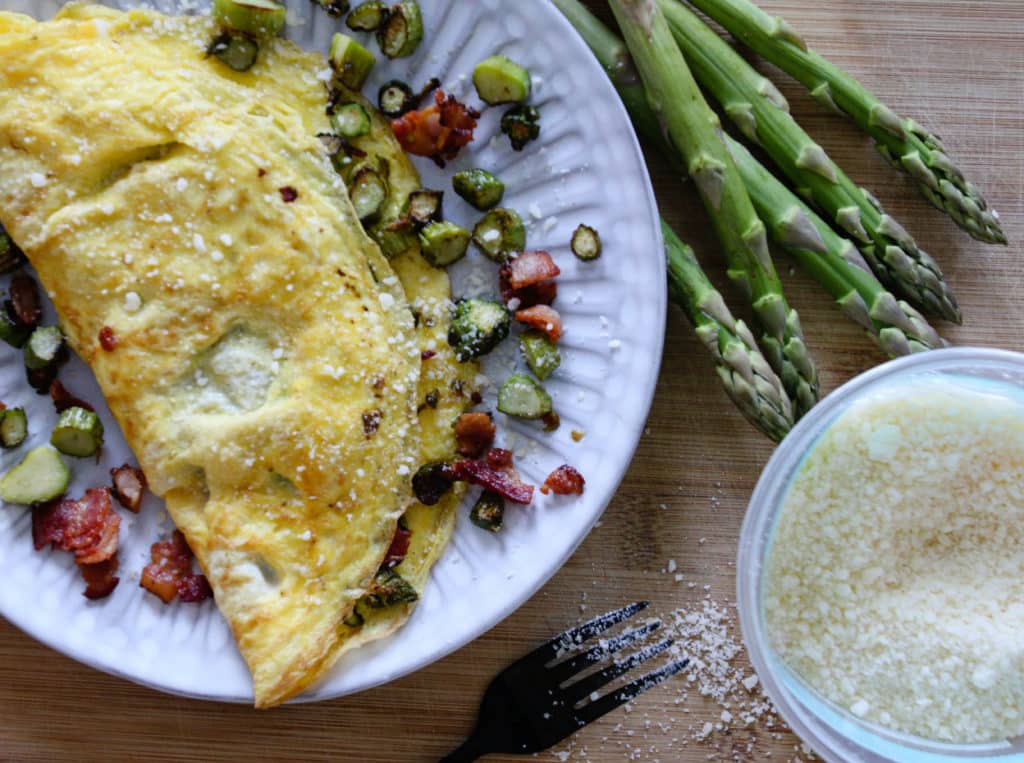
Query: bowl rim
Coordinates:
[831,736]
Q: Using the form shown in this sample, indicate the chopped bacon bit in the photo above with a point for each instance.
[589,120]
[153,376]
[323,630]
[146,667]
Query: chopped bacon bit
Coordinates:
[399,548]
[544,318]
[476,398]
[437,131]
[25,304]
[170,574]
[129,485]
[543,293]
[564,481]
[62,399]
[288,194]
[427,354]
[474,433]
[531,268]
[501,482]
[499,458]
[88,527]
[108,339]
[100,580]
[552,421]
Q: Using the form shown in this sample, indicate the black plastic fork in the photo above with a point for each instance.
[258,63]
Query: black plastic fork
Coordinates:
[534,703]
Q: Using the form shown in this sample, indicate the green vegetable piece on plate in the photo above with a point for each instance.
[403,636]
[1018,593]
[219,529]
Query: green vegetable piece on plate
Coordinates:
[350,60]
[586,243]
[13,427]
[402,31]
[499,234]
[522,397]
[41,476]
[425,206]
[368,16]
[368,190]
[334,7]
[395,237]
[541,354]
[12,332]
[479,188]
[395,98]
[522,125]
[488,512]
[78,433]
[43,347]
[350,120]
[478,326]
[443,243]
[389,588]
[236,50]
[500,80]
[258,17]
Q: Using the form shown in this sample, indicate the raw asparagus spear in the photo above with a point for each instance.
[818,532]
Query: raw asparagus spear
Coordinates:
[906,144]
[767,196]
[759,110]
[695,131]
[748,378]
[833,261]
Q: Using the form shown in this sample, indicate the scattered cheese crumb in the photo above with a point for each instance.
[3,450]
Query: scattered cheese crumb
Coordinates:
[132,302]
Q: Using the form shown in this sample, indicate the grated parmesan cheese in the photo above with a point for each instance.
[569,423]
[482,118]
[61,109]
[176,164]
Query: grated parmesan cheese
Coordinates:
[893,584]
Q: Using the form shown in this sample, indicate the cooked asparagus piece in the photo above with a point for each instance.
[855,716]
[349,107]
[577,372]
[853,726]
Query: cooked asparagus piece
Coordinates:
[334,7]
[747,376]
[44,347]
[479,188]
[488,512]
[443,243]
[395,98]
[350,60]
[368,190]
[522,397]
[40,476]
[236,50]
[78,433]
[500,80]
[499,234]
[762,114]
[834,262]
[257,17]
[13,427]
[907,145]
[586,243]
[368,16]
[540,353]
[522,125]
[350,120]
[477,327]
[695,131]
[402,31]
[425,206]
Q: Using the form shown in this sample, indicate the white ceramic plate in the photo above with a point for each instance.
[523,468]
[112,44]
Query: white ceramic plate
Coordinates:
[586,167]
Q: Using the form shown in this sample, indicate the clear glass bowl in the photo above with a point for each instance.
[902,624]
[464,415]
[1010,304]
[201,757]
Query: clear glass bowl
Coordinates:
[832,731]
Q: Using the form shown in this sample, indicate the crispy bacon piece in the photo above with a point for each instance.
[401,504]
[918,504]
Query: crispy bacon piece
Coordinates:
[25,304]
[170,574]
[544,318]
[62,399]
[564,481]
[88,527]
[399,548]
[100,578]
[474,434]
[543,293]
[505,483]
[437,131]
[108,339]
[499,458]
[129,486]
[531,268]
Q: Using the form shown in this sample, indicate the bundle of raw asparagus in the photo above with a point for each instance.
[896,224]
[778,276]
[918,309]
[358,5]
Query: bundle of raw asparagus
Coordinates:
[864,258]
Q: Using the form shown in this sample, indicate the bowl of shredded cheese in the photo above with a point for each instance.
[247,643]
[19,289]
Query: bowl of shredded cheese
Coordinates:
[881,564]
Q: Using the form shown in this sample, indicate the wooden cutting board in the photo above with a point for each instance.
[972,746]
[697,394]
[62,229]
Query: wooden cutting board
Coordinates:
[958,68]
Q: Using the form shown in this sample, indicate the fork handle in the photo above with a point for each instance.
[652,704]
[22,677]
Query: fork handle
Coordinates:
[470,750]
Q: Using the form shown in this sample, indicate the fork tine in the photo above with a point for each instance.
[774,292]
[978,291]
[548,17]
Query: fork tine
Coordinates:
[589,684]
[564,670]
[576,636]
[594,710]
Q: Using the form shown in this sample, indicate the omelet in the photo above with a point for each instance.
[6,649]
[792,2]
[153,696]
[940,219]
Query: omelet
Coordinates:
[268,364]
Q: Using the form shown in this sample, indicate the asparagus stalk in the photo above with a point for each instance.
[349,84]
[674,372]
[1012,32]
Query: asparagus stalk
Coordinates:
[904,143]
[694,129]
[759,110]
[833,261]
[748,378]
[898,331]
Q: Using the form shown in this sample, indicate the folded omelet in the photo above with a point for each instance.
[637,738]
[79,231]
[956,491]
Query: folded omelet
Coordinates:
[267,361]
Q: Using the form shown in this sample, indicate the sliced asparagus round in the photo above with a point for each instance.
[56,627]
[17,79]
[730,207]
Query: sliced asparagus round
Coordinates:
[443,243]
[541,354]
[522,125]
[500,80]
[522,397]
[368,16]
[499,234]
[236,50]
[488,512]
[479,188]
[395,98]
[350,120]
[41,476]
[13,427]
[78,433]
[477,327]
[44,347]
[350,61]
[402,31]
[257,17]
[586,243]
[368,190]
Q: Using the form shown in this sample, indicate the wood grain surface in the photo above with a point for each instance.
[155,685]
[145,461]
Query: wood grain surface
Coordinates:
[958,68]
